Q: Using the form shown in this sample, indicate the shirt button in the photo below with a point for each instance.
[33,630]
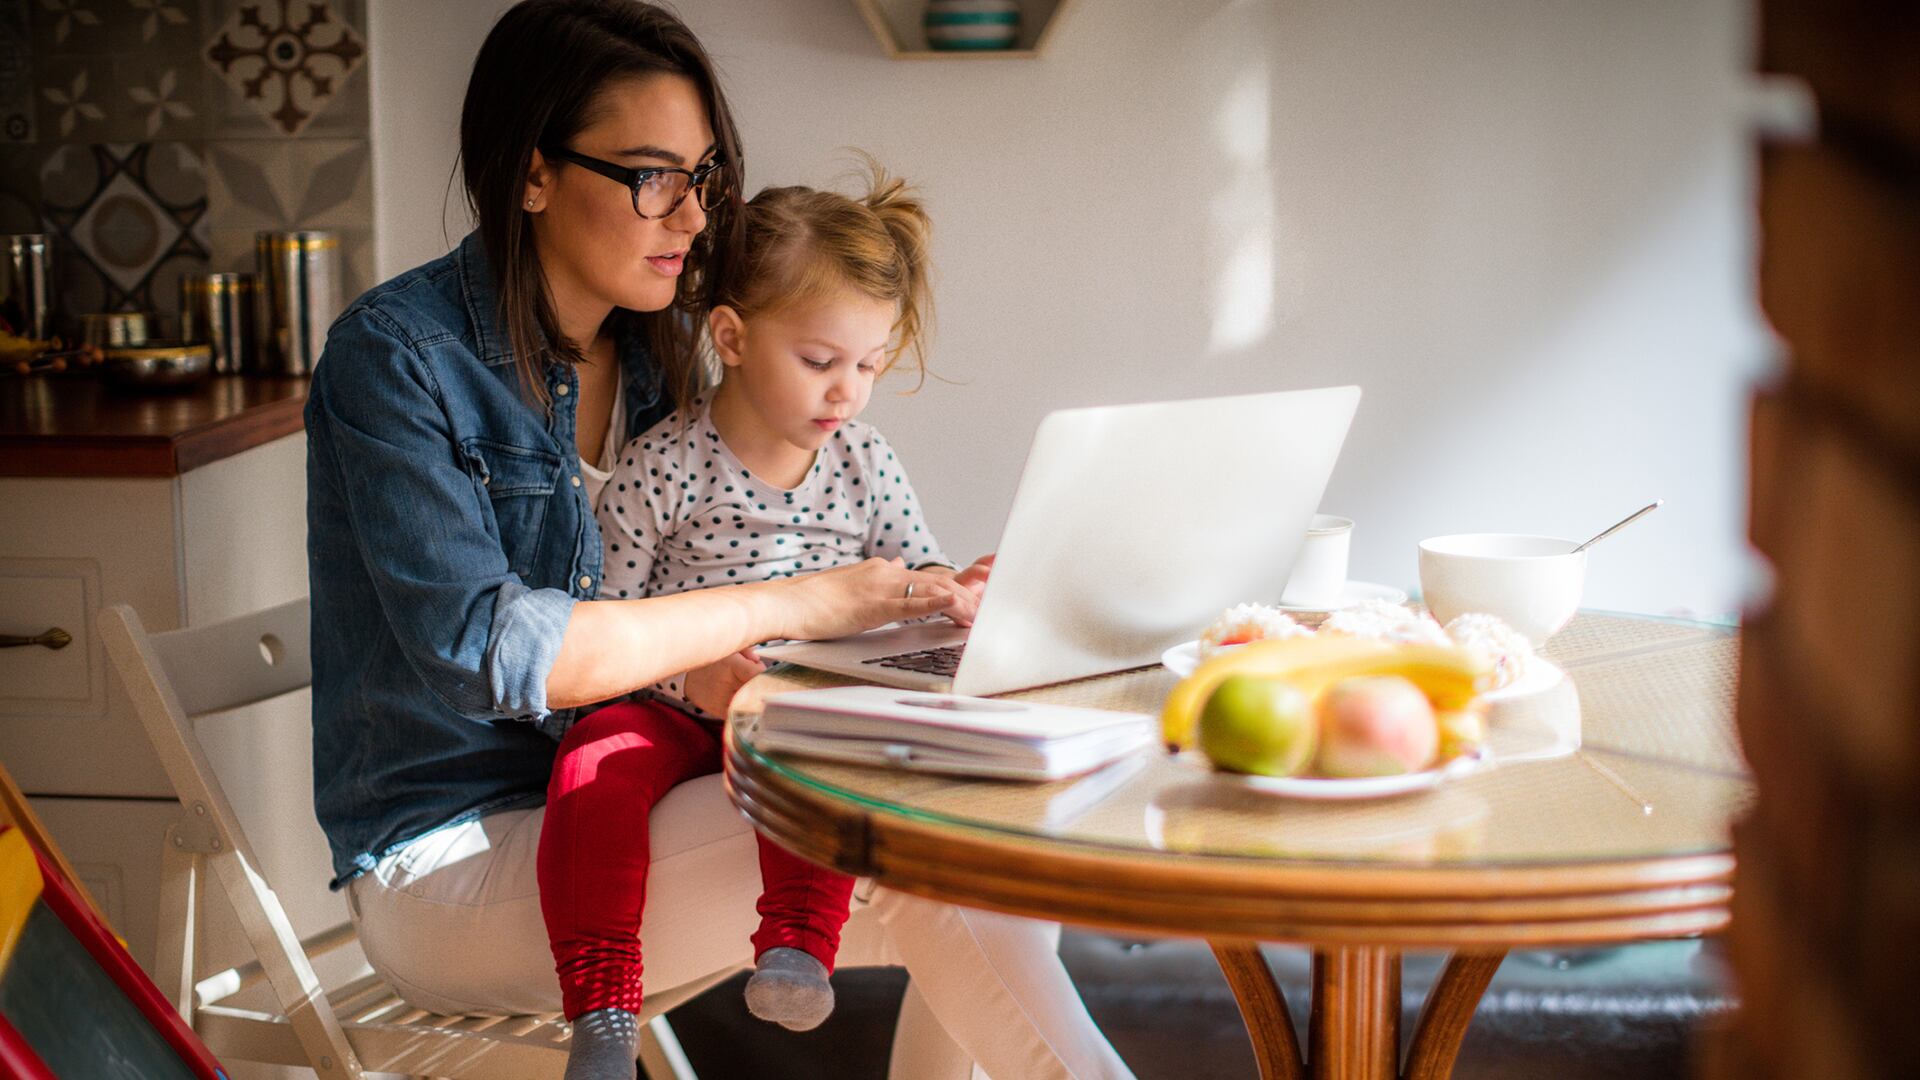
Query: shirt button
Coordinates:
[562,389]
[576,481]
[586,582]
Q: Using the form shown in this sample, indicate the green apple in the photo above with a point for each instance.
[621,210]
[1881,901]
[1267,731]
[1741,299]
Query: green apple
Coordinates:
[1255,725]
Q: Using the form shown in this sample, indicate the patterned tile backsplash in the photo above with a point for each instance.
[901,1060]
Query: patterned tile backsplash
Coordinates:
[287,60]
[138,224]
[153,138]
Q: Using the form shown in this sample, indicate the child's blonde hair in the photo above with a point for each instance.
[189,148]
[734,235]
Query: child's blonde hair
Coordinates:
[801,244]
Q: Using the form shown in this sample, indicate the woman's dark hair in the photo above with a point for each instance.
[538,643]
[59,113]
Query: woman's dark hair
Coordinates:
[535,83]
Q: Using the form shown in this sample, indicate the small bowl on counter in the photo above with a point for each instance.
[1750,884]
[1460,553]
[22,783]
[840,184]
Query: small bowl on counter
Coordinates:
[157,365]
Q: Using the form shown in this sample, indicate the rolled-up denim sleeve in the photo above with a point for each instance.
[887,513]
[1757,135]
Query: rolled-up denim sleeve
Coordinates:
[479,638]
[528,625]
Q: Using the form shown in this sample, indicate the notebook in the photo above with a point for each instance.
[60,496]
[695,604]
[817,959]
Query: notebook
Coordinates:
[947,733]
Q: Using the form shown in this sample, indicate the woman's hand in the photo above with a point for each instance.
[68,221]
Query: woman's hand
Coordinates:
[847,600]
[974,578]
[712,686]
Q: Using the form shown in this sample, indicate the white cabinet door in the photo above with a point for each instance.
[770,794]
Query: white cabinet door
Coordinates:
[219,541]
[67,547]
[40,597]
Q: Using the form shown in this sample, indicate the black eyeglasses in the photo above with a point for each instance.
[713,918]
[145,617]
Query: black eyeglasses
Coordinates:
[658,190]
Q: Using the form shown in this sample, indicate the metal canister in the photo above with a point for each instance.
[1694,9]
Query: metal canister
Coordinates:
[113,329]
[219,309]
[299,297]
[26,298]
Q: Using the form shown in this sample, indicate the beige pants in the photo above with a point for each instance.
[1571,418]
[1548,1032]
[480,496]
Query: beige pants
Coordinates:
[453,921]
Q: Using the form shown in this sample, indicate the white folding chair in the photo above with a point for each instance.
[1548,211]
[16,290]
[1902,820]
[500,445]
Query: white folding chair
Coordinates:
[361,1025]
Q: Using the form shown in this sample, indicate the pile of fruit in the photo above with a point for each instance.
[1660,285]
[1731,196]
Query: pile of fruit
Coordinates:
[1331,706]
[31,356]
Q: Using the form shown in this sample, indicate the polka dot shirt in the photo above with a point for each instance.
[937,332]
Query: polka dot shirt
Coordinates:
[680,512]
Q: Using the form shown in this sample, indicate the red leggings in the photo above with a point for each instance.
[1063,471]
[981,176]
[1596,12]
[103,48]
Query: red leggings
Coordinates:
[613,766]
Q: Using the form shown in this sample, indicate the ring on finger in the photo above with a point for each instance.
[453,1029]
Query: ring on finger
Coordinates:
[910,590]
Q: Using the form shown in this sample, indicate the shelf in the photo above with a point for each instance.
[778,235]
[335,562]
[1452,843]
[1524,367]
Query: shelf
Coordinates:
[896,26]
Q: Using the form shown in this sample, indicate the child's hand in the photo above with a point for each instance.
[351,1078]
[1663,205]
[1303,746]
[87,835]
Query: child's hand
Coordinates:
[711,687]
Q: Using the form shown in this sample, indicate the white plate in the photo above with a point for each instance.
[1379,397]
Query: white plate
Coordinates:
[1370,787]
[1350,594]
[1182,659]
[1542,674]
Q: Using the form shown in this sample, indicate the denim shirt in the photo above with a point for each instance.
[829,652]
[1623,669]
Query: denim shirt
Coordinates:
[448,538]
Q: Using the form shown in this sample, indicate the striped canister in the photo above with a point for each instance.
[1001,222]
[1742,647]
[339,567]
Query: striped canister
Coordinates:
[299,291]
[972,24]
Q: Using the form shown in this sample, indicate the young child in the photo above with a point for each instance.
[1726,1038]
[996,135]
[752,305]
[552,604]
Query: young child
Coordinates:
[770,475]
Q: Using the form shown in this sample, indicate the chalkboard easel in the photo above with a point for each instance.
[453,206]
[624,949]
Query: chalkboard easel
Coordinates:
[73,1004]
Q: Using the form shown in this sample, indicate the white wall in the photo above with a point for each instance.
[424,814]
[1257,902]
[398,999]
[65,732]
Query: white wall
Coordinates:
[1522,226]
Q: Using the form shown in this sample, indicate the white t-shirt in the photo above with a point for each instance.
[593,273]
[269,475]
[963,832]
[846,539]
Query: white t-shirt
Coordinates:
[594,474]
[680,512]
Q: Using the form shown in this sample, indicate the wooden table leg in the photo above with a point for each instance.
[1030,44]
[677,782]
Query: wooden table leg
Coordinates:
[1263,1007]
[1354,1032]
[1449,1009]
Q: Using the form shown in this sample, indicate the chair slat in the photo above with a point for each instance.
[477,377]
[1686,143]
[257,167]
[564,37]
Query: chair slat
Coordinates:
[383,1010]
[358,994]
[225,665]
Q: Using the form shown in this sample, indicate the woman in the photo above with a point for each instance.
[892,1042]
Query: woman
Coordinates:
[458,426]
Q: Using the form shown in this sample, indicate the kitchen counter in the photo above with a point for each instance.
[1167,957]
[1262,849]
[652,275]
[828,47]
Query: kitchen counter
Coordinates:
[55,426]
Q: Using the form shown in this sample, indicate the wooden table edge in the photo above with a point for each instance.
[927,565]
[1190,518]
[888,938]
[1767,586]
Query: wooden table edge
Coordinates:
[1225,898]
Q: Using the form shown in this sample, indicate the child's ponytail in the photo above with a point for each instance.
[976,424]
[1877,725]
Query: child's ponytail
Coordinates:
[905,218]
[801,244]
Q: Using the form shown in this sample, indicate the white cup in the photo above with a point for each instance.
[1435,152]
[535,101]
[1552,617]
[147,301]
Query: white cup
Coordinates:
[1532,583]
[1320,570]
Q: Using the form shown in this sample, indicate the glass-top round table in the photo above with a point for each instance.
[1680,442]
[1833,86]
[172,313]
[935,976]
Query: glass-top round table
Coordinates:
[1625,838]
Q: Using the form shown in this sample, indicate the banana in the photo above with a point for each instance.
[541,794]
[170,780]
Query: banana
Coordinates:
[15,347]
[1462,731]
[1450,677]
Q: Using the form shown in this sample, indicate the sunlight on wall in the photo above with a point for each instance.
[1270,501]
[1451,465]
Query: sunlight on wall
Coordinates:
[1241,215]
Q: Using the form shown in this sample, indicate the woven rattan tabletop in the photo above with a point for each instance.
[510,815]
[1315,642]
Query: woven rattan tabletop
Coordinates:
[1658,773]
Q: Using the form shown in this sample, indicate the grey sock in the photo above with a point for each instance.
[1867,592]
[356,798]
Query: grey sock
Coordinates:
[603,1046]
[789,988]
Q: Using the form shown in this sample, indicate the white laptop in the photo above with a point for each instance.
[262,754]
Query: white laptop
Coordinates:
[1133,527]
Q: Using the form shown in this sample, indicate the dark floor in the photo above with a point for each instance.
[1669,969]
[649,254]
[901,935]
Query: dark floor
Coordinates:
[1608,1014]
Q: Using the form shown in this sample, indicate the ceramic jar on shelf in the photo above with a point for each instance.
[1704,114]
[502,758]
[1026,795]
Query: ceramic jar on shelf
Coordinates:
[972,25]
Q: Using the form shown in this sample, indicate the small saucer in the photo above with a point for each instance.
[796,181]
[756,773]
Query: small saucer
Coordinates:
[1350,594]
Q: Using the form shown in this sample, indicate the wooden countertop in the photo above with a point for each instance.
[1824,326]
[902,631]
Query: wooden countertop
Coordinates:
[76,426]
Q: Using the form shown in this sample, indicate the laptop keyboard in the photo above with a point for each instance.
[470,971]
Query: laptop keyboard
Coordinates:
[944,660]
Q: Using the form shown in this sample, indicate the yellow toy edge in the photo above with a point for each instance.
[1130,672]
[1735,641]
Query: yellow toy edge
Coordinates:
[20,886]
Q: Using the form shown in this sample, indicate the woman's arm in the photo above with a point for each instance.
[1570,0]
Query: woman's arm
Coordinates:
[613,647]
[417,519]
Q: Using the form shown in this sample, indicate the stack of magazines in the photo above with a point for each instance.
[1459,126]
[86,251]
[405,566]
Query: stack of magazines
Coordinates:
[948,733]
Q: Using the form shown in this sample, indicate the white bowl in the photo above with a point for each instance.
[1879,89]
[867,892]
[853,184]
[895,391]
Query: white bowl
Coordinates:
[1531,582]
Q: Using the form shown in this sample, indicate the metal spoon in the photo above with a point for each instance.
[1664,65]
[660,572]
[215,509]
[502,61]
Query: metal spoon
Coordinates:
[1618,525]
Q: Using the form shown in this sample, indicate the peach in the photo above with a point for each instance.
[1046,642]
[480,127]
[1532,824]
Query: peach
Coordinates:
[1376,725]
